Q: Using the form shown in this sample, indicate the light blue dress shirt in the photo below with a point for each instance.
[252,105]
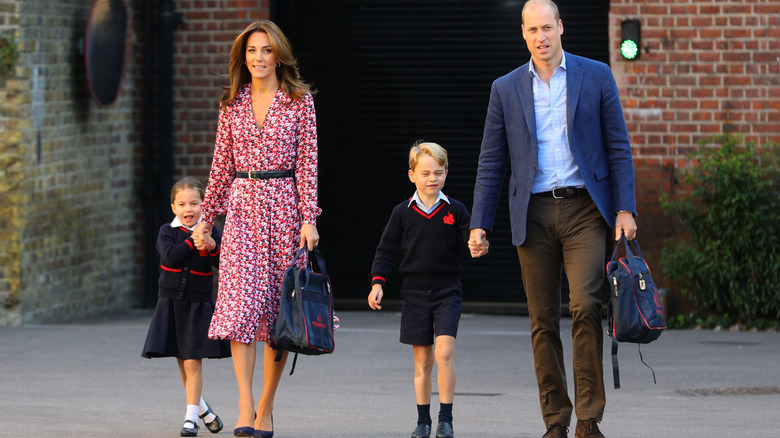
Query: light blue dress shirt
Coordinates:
[556,166]
[416,199]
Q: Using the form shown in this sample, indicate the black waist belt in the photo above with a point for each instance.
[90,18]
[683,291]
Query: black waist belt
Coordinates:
[563,192]
[265,174]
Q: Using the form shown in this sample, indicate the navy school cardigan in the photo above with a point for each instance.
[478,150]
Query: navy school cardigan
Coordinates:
[185,272]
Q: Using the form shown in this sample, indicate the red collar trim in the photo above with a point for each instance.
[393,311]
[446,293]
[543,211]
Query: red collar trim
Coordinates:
[433,213]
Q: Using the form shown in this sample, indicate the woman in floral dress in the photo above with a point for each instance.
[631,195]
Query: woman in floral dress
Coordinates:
[266,125]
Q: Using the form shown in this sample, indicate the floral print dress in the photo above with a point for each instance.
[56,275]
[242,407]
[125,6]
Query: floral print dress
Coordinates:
[263,217]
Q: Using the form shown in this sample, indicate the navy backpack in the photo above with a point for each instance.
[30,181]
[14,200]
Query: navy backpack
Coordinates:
[635,311]
[305,321]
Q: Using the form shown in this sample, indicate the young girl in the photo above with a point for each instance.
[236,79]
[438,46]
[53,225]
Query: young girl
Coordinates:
[185,302]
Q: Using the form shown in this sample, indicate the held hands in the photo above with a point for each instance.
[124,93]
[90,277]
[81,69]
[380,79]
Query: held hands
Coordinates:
[375,297]
[208,243]
[201,235]
[478,243]
[309,236]
[625,223]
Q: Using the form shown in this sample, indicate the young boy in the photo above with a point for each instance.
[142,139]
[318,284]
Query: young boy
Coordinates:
[428,232]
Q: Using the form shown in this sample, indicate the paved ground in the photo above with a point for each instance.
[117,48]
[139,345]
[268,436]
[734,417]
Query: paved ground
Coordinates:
[89,380]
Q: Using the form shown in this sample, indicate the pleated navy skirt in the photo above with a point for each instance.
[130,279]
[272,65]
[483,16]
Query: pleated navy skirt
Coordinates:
[180,329]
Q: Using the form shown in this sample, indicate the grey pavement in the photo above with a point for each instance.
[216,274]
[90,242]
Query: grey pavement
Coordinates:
[88,379]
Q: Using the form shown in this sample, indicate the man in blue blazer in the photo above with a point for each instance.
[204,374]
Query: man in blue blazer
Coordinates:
[557,123]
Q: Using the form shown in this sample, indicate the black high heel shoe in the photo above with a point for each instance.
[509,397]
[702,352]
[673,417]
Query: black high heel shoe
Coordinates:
[245,430]
[264,433]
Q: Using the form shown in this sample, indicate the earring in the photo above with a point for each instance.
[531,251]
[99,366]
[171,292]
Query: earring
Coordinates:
[278,64]
[244,62]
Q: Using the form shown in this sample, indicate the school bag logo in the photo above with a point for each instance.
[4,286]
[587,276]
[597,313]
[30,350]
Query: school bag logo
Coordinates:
[319,322]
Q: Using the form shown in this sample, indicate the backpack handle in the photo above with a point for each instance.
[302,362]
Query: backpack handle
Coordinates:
[630,258]
[310,256]
[320,261]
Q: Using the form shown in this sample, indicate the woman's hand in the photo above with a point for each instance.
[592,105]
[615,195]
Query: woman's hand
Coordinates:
[309,236]
[201,234]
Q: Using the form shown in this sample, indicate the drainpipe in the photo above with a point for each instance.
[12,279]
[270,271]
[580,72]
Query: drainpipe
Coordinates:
[149,193]
[168,23]
[157,133]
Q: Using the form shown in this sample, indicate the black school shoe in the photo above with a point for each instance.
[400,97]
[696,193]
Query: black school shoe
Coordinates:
[422,431]
[189,428]
[215,425]
[444,430]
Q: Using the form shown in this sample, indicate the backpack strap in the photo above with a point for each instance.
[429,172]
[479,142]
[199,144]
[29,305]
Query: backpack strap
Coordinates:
[638,346]
[615,370]
[279,357]
[295,360]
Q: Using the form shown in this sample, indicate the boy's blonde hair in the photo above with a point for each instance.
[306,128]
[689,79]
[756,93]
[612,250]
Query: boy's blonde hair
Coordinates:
[187,182]
[433,150]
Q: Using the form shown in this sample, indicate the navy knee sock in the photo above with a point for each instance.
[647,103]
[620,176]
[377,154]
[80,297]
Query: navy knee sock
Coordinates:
[424,414]
[445,412]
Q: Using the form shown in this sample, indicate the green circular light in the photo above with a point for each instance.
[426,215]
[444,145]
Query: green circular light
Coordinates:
[629,49]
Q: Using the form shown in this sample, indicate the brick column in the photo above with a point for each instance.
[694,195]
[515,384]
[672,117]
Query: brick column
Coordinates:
[67,192]
[12,126]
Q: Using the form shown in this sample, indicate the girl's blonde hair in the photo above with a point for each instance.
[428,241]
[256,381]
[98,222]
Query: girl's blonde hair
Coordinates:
[287,73]
[187,182]
[434,150]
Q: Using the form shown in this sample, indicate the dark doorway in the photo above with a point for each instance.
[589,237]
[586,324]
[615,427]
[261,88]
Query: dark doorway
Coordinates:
[389,72]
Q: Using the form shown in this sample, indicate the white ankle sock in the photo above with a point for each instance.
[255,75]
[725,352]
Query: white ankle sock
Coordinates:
[192,414]
[202,409]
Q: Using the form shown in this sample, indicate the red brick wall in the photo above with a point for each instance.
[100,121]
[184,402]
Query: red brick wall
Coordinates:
[712,67]
[202,49]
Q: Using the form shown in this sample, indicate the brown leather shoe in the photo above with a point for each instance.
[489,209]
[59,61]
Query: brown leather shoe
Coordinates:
[588,429]
[556,431]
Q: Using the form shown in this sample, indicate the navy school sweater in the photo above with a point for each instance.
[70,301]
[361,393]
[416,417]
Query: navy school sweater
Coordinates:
[429,246]
[185,273]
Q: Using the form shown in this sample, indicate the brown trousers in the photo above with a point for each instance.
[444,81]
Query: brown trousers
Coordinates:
[569,234]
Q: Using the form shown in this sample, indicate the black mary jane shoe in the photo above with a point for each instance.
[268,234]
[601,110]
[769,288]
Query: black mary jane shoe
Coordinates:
[215,425]
[422,431]
[444,430]
[189,428]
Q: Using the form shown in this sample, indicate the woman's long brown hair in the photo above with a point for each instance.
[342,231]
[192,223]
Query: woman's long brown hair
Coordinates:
[287,74]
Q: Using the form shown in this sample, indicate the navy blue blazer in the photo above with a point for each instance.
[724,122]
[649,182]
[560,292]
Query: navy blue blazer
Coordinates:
[598,139]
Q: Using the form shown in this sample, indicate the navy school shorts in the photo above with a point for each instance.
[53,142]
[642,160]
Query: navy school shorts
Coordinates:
[429,313]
